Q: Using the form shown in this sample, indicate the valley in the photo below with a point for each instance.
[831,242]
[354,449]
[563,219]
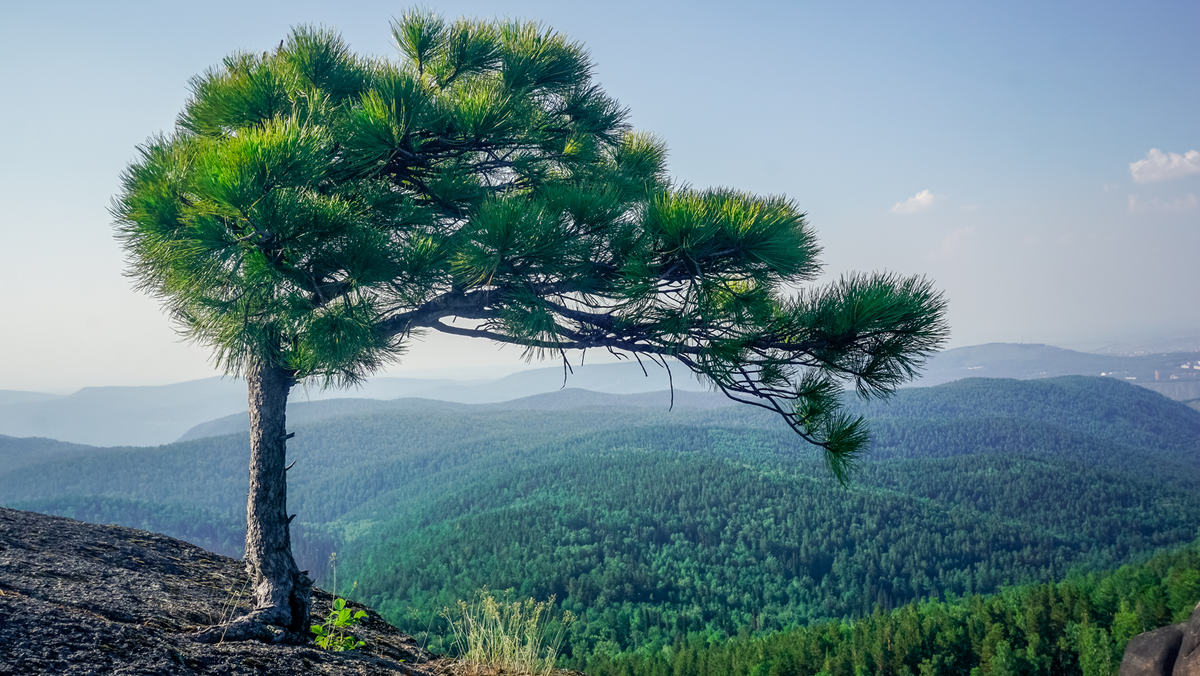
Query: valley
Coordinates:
[651,524]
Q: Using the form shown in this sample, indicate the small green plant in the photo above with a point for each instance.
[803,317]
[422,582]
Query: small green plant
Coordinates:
[506,636]
[335,634]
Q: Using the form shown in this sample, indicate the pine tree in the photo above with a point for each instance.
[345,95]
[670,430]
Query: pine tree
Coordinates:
[1095,651]
[314,211]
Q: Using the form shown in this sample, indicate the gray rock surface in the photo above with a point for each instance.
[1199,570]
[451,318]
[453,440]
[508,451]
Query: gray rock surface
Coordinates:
[1188,662]
[1169,651]
[78,598]
[1153,653]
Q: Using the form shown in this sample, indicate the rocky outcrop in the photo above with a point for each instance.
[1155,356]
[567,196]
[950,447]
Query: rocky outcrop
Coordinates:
[1188,662]
[78,598]
[1153,652]
[1170,651]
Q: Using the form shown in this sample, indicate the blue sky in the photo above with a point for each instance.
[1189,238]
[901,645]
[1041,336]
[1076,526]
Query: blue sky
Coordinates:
[1005,151]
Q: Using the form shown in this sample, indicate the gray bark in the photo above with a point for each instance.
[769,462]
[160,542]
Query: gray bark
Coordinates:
[281,590]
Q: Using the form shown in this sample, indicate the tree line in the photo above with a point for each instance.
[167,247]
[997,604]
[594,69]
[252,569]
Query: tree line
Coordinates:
[1076,627]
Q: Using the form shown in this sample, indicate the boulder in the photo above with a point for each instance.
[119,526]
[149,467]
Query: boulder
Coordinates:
[1188,662]
[1154,652]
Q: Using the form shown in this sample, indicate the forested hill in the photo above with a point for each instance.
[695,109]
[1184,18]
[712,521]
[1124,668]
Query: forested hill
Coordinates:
[566,399]
[1076,627]
[1099,407]
[1097,421]
[648,523]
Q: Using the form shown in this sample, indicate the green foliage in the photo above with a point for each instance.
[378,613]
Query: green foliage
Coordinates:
[314,210]
[334,633]
[1096,656]
[644,547]
[1067,628]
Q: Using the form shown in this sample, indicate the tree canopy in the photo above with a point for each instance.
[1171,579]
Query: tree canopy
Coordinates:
[317,209]
[314,210]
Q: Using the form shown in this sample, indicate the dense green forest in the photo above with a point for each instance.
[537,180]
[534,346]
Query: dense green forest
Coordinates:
[652,525]
[1077,627]
[643,546]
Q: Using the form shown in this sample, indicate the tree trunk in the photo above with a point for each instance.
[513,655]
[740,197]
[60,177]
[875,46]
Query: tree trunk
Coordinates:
[281,590]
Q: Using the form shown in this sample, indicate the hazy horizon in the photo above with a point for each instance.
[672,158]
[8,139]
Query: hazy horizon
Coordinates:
[492,372]
[1039,163]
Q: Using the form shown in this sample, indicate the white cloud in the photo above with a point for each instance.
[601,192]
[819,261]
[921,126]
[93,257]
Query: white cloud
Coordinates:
[1160,166]
[918,202]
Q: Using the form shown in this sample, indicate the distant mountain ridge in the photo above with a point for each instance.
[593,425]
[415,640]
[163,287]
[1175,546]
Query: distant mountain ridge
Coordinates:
[149,416]
[1027,361]
[560,400]
[22,397]
[154,415]
[113,416]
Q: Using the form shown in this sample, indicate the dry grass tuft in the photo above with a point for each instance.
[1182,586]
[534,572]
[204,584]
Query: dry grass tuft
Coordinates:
[502,636]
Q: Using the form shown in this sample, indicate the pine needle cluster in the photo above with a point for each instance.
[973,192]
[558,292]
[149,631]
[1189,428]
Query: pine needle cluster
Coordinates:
[315,210]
